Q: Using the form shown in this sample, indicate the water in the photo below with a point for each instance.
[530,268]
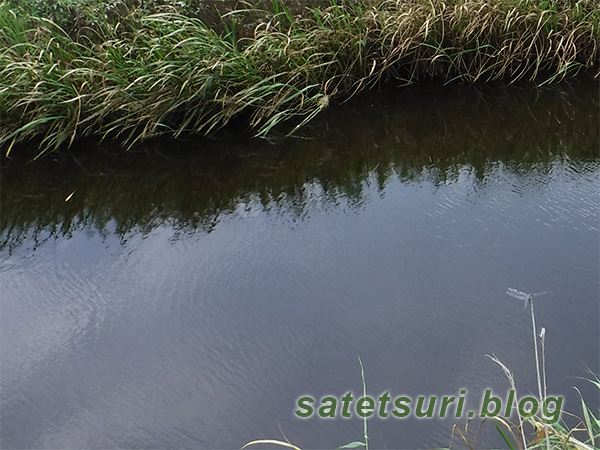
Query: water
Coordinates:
[187,294]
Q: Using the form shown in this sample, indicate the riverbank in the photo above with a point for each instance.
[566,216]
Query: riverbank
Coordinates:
[128,71]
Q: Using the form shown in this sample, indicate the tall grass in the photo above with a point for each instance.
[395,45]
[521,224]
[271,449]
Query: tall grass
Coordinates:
[136,75]
[583,436]
[555,436]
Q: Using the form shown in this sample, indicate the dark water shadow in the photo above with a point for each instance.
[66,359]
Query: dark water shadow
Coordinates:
[419,133]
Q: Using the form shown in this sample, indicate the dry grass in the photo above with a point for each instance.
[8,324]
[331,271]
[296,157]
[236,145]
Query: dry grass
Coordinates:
[169,73]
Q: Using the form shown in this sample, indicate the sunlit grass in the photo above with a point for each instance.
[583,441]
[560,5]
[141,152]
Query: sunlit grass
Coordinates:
[138,75]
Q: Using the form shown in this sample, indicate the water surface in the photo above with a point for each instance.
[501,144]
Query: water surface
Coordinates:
[188,293]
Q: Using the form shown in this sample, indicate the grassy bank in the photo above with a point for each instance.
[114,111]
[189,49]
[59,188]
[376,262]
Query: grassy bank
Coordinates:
[130,70]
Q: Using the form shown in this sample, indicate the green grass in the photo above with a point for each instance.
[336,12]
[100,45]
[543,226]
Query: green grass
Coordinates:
[117,69]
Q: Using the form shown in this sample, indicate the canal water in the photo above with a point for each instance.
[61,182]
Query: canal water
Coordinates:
[186,294]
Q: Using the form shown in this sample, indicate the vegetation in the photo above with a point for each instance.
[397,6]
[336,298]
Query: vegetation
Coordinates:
[556,436]
[130,69]
[583,436]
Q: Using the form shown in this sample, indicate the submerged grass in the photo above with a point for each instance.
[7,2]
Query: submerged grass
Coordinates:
[125,72]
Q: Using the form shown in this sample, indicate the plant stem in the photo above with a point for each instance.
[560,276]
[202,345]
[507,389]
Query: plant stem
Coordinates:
[535,346]
[364,384]
[537,368]
[543,340]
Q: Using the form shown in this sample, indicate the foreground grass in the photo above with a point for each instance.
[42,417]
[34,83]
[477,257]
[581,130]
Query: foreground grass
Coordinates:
[545,436]
[131,73]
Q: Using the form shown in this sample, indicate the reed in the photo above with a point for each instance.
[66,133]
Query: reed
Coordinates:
[585,435]
[119,71]
[556,436]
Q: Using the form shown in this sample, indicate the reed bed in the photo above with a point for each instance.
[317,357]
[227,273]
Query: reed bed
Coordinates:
[130,74]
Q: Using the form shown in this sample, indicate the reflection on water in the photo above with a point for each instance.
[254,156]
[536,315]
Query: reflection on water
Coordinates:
[188,293]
